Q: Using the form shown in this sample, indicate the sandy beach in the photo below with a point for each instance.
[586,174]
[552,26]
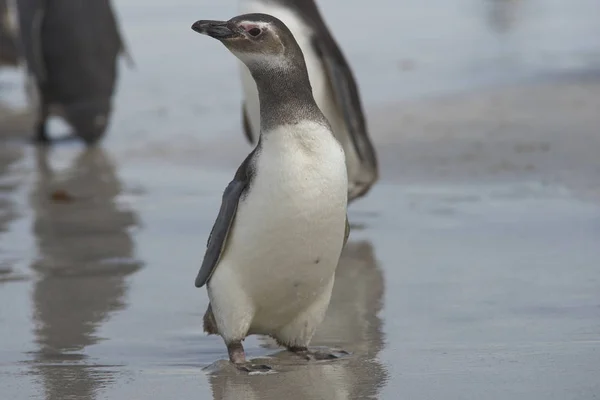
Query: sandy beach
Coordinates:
[471,271]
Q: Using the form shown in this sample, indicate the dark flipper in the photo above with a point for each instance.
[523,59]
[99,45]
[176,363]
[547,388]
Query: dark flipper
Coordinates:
[218,236]
[217,239]
[347,232]
[346,97]
[247,127]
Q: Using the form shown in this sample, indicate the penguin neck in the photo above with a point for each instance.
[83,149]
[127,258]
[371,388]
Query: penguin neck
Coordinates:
[285,97]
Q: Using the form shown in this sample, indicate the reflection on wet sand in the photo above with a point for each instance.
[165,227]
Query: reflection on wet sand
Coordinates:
[9,156]
[352,322]
[85,252]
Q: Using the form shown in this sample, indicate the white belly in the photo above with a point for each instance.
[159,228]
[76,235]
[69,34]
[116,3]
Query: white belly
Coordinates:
[289,230]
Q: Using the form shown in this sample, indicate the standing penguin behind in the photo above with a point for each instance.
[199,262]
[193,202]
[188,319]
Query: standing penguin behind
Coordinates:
[71,49]
[272,253]
[8,43]
[334,88]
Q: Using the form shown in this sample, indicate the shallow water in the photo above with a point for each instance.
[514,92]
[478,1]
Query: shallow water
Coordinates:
[458,281]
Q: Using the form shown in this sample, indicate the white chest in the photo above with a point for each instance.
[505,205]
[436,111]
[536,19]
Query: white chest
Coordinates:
[301,174]
[299,168]
[294,213]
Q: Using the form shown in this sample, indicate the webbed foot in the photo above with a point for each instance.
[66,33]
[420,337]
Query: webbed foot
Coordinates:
[318,355]
[254,368]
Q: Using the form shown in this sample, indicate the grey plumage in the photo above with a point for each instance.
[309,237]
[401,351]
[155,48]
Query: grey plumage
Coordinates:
[217,240]
[71,49]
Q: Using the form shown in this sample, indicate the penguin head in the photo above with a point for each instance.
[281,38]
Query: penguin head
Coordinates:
[260,41]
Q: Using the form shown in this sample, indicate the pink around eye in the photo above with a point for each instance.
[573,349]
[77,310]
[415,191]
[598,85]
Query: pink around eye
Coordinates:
[253,30]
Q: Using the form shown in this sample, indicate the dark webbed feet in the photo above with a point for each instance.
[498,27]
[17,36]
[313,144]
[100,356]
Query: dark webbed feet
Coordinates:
[254,368]
[318,355]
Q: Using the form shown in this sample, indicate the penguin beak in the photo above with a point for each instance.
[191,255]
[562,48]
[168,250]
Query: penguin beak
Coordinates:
[216,29]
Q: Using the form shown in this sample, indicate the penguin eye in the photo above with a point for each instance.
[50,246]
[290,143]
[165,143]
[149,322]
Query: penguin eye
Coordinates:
[254,32]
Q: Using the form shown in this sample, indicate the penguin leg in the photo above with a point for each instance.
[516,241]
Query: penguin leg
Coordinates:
[236,352]
[231,316]
[235,349]
[237,357]
[41,134]
[297,334]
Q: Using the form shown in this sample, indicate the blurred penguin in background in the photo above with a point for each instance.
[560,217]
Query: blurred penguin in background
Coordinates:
[8,38]
[333,86]
[71,49]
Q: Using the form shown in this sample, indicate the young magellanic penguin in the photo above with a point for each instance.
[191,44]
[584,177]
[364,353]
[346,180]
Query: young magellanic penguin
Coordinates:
[71,49]
[333,84]
[272,253]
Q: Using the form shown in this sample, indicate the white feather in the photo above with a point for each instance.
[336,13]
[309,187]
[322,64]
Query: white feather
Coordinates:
[276,274]
[316,72]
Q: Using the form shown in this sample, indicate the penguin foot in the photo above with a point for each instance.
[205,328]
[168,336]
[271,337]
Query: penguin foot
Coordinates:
[238,359]
[41,136]
[41,133]
[236,352]
[254,369]
[318,355]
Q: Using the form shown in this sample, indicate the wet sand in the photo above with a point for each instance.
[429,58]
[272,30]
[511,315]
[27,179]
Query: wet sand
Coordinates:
[471,271]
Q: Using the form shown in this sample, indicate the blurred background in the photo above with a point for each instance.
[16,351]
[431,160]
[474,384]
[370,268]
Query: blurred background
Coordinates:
[472,266]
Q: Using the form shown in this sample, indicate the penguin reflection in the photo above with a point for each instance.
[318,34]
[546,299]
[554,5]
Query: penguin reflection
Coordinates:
[351,322]
[85,254]
[9,155]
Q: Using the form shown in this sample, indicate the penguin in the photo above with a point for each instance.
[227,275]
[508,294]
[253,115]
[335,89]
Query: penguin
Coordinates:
[71,50]
[9,55]
[334,88]
[273,251]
